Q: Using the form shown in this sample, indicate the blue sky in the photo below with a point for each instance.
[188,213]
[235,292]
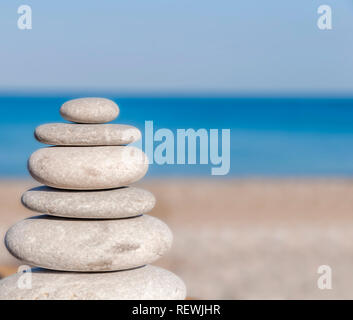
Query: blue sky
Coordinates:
[182,46]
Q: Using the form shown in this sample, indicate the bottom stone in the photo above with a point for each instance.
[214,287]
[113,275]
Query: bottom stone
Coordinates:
[144,283]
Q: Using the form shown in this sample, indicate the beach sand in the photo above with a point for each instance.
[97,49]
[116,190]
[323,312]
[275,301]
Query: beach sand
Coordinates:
[242,239]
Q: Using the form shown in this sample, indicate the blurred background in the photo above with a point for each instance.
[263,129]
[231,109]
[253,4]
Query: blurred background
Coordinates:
[262,69]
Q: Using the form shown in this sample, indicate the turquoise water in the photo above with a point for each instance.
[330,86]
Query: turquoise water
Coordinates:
[269,136]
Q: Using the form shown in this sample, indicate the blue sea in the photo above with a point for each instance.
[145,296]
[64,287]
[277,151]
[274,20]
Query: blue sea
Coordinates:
[276,137]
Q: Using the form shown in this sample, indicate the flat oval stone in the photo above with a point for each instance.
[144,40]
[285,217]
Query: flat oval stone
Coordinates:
[88,245]
[90,110]
[105,204]
[72,134]
[88,168]
[145,283]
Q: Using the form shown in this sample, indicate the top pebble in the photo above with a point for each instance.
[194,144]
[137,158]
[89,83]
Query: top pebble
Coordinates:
[90,110]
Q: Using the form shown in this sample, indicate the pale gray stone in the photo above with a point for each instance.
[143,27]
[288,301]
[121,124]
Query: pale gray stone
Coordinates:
[88,245]
[73,134]
[105,204]
[90,110]
[88,168]
[145,283]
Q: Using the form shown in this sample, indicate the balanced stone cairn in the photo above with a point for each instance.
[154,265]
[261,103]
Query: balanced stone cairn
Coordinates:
[93,221]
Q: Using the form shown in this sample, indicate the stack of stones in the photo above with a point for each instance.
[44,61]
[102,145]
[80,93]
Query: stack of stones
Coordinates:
[93,221]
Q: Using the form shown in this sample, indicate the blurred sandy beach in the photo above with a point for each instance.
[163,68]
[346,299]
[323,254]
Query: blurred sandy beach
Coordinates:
[242,238]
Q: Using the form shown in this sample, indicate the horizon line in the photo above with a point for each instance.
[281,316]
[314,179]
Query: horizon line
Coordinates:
[173,94]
